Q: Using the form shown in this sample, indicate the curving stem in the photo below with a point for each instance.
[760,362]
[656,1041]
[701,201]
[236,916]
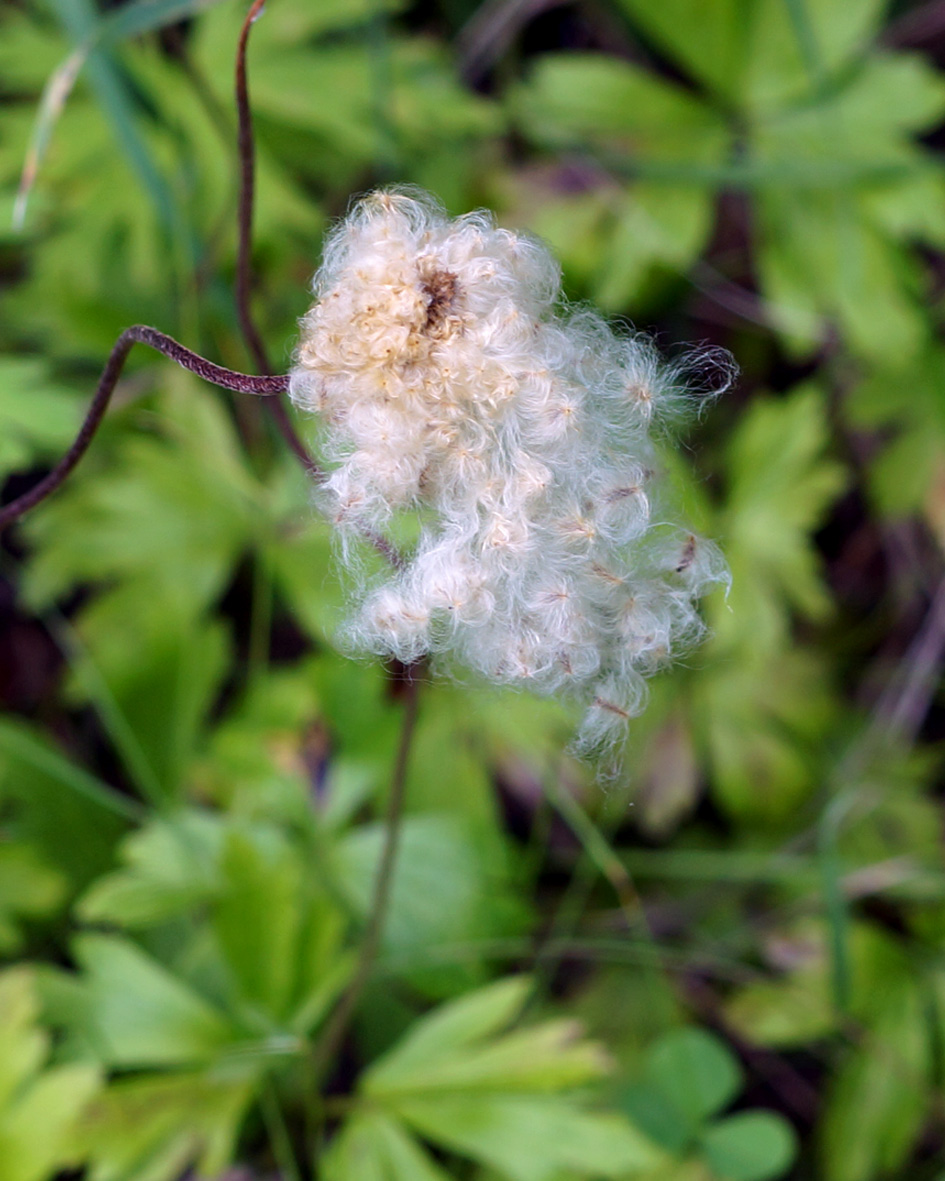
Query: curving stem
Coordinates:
[228,379]
[246,148]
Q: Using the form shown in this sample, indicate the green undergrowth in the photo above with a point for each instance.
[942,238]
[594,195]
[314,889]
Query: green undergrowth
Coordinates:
[728,965]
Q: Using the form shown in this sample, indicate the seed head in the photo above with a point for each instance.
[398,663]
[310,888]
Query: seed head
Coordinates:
[451,381]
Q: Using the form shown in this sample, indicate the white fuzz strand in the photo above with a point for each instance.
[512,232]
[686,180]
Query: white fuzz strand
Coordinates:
[451,381]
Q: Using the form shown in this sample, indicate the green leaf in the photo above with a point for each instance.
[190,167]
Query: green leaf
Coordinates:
[29,51]
[153,1128]
[451,885]
[38,416]
[577,96]
[501,1098]
[797,46]
[837,255]
[152,674]
[532,1139]
[171,869]
[763,717]
[118,102]
[258,918]
[750,1146]
[781,483]
[695,1071]
[708,40]
[142,1014]
[372,1147]
[40,1109]
[68,815]
[452,1027]
[190,486]
[879,1097]
[905,402]
[830,265]
[273,935]
[795,1008]
[30,888]
[760,53]
[665,225]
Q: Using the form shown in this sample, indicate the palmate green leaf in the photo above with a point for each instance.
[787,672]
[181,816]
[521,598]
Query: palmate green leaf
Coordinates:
[464,1022]
[583,98]
[763,713]
[120,105]
[752,51]
[838,254]
[575,97]
[462,1080]
[450,721]
[40,1108]
[304,571]
[533,1139]
[259,760]
[278,934]
[142,654]
[658,225]
[283,27]
[619,108]
[326,112]
[142,1014]
[103,258]
[171,870]
[708,40]
[134,19]
[154,1127]
[373,1147]
[829,265]
[789,53]
[781,484]
[268,937]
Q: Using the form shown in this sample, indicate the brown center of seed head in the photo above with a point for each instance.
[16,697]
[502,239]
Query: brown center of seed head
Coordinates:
[441,288]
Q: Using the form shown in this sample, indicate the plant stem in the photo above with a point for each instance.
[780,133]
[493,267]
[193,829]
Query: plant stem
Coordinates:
[228,379]
[246,147]
[338,1024]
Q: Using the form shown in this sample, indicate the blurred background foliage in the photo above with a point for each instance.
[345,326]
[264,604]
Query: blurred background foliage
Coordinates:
[727,966]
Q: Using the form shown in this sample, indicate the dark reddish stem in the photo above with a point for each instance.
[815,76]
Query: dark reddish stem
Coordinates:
[340,1020]
[244,281]
[247,154]
[242,383]
[254,342]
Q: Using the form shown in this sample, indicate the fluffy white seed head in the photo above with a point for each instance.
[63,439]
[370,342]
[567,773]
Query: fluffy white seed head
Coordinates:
[451,381]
